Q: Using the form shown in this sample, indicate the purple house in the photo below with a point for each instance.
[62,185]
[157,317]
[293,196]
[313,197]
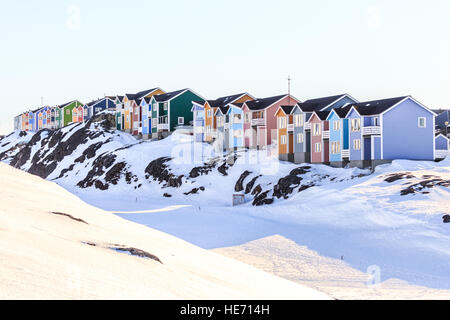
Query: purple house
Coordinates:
[384,130]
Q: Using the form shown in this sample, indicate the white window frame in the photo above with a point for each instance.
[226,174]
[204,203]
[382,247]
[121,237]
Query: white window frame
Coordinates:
[318,147]
[336,125]
[424,122]
[209,113]
[155,106]
[356,144]
[300,138]
[166,106]
[182,122]
[299,120]
[283,139]
[317,129]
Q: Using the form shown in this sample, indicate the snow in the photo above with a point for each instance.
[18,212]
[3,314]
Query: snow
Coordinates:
[48,256]
[349,213]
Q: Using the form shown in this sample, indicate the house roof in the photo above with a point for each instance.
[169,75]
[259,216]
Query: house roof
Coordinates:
[120,98]
[376,106]
[287,109]
[222,101]
[223,109]
[263,103]
[323,115]
[168,96]
[342,111]
[319,104]
[65,104]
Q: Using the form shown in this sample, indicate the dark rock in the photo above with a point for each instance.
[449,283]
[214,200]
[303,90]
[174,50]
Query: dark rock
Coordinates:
[159,171]
[286,185]
[223,169]
[136,252]
[167,195]
[239,187]
[304,187]
[262,199]
[398,176]
[257,190]
[195,191]
[249,186]
[446,218]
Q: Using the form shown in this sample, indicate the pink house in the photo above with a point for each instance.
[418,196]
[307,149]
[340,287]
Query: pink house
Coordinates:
[320,137]
[260,123]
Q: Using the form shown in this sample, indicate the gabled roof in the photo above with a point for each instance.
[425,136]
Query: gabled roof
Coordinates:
[223,101]
[169,95]
[319,104]
[376,106]
[66,104]
[223,110]
[263,103]
[286,110]
[120,98]
[341,112]
[323,115]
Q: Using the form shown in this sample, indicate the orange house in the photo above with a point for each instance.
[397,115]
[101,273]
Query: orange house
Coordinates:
[285,132]
[210,107]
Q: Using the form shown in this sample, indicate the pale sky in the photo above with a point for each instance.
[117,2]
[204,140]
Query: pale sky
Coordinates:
[65,50]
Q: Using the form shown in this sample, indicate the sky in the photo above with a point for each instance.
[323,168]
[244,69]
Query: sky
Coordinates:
[58,51]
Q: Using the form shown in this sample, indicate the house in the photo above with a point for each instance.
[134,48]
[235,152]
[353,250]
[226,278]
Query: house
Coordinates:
[442,145]
[260,123]
[198,120]
[66,112]
[338,137]
[119,112]
[210,108]
[234,128]
[96,106]
[320,137]
[172,109]
[385,130]
[285,133]
[131,112]
[443,122]
[223,127]
[302,112]
[146,109]
[78,114]
[18,122]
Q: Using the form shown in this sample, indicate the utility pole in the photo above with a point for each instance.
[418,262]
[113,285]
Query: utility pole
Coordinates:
[289,87]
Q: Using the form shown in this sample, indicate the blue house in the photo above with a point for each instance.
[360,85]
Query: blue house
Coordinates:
[442,145]
[339,136]
[99,105]
[146,111]
[198,113]
[384,130]
[223,126]
[235,126]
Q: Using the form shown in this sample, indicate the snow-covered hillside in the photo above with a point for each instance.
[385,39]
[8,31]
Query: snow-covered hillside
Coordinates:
[54,246]
[392,218]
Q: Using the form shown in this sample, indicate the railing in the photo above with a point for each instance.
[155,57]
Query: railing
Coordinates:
[370,130]
[258,122]
[307,126]
[290,127]
[441,154]
[345,153]
[326,134]
[163,126]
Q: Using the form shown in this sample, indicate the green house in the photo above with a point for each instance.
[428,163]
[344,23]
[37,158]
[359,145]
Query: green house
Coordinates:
[66,116]
[171,110]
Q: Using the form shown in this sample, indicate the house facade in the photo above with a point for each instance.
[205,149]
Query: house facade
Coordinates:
[234,128]
[198,118]
[67,112]
[384,130]
[285,133]
[171,110]
[260,122]
[442,146]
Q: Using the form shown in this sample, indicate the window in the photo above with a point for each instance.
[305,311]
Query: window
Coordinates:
[356,124]
[154,122]
[317,130]
[299,120]
[282,122]
[208,130]
[335,147]
[154,106]
[300,138]
[237,133]
[336,125]
[119,120]
[422,122]
[318,147]
[180,120]
[283,139]
[237,118]
[247,117]
[209,113]
[67,112]
[376,121]
[357,144]
[166,106]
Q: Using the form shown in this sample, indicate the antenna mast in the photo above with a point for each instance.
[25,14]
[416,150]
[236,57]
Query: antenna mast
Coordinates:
[289,87]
